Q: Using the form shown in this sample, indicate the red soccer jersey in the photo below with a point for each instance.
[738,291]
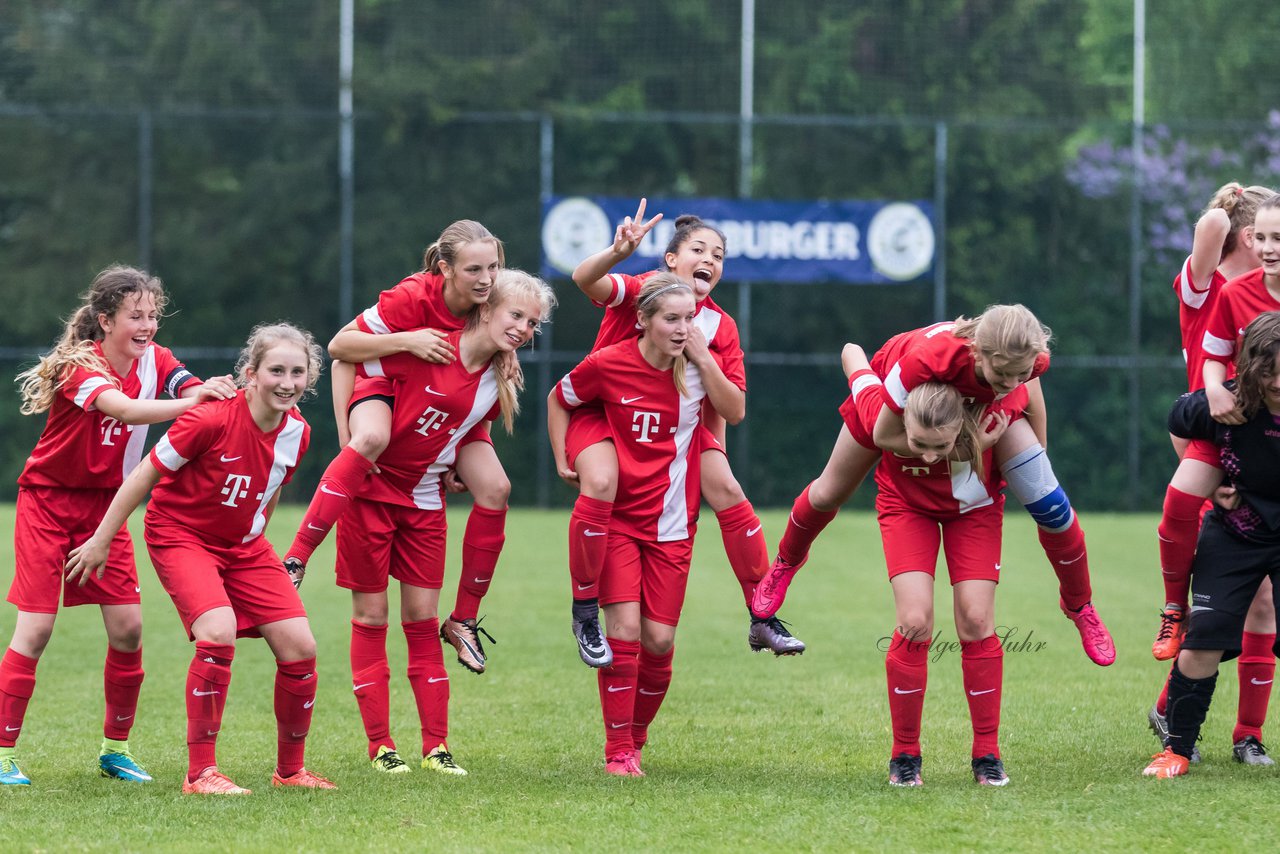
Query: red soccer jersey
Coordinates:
[1241,300]
[619,324]
[436,406]
[417,302]
[653,431]
[933,354]
[221,470]
[1195,307]
[81,448]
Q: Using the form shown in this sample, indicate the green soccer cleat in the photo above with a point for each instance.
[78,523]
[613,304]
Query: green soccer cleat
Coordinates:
[441,760]
[389,762]
[10,773]
[117,762]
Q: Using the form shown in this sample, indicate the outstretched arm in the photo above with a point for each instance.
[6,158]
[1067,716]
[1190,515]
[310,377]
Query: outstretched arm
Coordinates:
[591,274]
[91,556]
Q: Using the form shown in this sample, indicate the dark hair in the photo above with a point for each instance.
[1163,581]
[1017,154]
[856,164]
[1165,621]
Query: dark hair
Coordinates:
[454,237]
[686,225]
[1256,361]
[106,294]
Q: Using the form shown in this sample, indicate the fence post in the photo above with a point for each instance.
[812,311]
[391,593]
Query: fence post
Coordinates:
[940,219]
[546,178]
[146,170]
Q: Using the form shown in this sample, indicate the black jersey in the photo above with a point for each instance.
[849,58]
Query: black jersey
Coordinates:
[1249,455]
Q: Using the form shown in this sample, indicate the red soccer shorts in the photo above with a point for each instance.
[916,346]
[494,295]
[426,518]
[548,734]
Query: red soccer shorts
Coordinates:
[384,389]
[200,576]
[653,574]
[50,523]
[1204,452]
[587,426]
[860,414]
[971,543]
[377,540]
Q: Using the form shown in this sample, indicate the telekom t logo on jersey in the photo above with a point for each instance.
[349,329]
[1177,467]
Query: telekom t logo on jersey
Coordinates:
[111,428]
[431,419]
[645,424]
[237,487]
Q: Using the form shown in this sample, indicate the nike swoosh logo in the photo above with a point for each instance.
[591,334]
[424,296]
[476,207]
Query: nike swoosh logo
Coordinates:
[297,735]
[363,685]
[594,533]
[430,390]
[123,717]
[627,400]
[616,726]
[585,586]
[482,580]
[8,728]
[652,693]
[314,527]
[898,690]
[434,679]
[137,589]
[308,704]
[751,532]
[1069,562]
[224,458]
[327,491]
[1260,681]
[613,689]
[212,732]
[196,692]
[980,693]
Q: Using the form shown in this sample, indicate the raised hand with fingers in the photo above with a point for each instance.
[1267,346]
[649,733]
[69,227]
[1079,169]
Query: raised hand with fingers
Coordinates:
[628,235]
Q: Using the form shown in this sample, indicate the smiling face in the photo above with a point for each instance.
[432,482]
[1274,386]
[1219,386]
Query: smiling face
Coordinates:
[930,443]
[280,378]
[470,276]
[1266,241]
[700,260]
[512,323]
[1001,373]
[667,329]
[128,331]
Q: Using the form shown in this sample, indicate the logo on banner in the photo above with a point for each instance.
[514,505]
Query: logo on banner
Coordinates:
[900,241]
[572,230]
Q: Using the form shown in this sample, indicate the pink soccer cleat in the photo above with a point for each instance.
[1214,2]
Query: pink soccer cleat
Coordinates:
[771,592]
[1093,635]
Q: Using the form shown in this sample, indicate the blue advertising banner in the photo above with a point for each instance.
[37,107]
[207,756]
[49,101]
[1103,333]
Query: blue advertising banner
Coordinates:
[861,242]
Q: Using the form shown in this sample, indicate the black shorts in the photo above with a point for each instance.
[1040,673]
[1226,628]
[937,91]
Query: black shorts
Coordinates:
[1225,577]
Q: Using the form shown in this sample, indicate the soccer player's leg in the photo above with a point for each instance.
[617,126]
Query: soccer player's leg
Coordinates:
[1257,669]
[1030,477]
[363,566]
[911,545]
[664,581]
[122,681]
[1195,478]
[620,591]
[479,468]
[590,451]
[849,464]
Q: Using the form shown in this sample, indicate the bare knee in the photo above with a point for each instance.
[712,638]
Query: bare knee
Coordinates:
[30,637]
[916,624]
[217,633]
[721,491]
[369,443]
[493,493]
[126,637]
[660,646]
[369,610]
[974,622]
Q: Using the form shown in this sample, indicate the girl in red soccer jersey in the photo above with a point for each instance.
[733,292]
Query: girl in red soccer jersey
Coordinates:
[215,479]
[1229,230]
[395,526]
[696,254]
[416,317]
[100,386]
[986,358]
[926,500]
[652,389]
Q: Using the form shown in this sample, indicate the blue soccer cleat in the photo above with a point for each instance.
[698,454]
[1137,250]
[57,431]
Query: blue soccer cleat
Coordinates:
[117,762]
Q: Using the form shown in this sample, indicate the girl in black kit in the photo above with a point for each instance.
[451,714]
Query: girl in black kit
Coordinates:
[1238,547]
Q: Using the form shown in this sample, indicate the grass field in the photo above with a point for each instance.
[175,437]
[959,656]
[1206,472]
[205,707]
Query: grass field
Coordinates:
[748,752]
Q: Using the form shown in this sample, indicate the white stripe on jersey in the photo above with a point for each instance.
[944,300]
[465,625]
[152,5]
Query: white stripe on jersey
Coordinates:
[1186,290]
[709,323]
[893,383]
[88,387]
[426,495]
[374,321]
[619,291]
[673,524]
[1216,346]
[373,368]
[570,396]
[169,458]
[968,490]
[137,444]
[286,449]
[864,382]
